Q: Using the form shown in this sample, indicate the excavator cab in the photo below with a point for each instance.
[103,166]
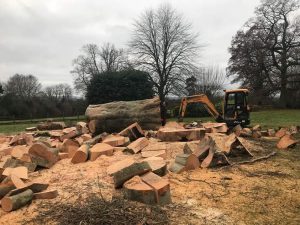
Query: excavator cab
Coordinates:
[235,107]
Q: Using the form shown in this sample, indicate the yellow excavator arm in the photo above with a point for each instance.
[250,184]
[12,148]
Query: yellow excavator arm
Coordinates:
[209,106]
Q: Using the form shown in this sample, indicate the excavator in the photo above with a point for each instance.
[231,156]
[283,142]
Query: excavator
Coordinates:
[235,107]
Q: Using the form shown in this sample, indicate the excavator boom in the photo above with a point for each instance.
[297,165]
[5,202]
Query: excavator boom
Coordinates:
[209,106]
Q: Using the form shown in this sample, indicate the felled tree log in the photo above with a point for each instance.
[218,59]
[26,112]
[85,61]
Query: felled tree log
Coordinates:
[45,195]
[137,145]
[5,188]
[42,155]
[49,125]
[81,155]
[125,172]
[16,201]
[115,116]
[17,162]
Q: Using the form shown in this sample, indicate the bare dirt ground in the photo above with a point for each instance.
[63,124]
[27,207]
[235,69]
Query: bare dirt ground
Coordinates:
[264,192]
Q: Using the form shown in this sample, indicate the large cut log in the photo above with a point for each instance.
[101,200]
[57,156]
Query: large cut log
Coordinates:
[126,172]
[16,201]
[42,155]
[137,145]
[100,149]
[17,162]
[115,116]
[49,125]
[137,190]
[81,155]
[174,134]
[134,131]
[160,186]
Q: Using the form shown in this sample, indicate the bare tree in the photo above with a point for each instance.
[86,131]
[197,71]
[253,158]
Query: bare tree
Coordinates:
[164,45]
[94,61]
[59,92]
[23,86]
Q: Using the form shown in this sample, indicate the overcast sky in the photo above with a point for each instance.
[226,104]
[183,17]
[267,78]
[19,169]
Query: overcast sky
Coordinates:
[41,37]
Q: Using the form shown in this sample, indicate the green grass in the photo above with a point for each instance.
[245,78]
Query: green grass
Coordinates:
[12,127]
[269,118]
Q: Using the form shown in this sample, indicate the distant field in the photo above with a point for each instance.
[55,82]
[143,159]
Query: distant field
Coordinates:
[10,127]
[269,118]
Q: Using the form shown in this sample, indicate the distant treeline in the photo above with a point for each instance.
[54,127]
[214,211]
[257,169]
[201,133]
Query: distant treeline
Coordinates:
[23,97]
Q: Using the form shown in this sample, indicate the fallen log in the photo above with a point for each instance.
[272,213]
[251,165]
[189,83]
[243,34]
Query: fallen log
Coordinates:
[137,145]
[81,155]
[6,188]
[137,190]
[42,155]
[130,171]
[134,131]
[114,116]
[16,201]
[49,125]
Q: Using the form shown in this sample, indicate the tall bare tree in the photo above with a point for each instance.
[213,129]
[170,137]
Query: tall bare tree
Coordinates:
[23,86]
[164,45]
[94,61]
[59,92]
[269,43]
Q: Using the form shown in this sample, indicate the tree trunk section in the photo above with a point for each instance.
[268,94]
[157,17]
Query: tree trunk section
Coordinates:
[16,201]
[115,116]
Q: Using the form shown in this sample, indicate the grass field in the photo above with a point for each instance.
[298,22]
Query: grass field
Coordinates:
[270,118]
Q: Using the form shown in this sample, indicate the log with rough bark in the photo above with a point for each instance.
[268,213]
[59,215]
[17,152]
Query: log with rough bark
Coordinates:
[6,188]
[175,134]
[49,125]
[133,132]
[16,201]
[100,149]
[137,145]
[42,155]
[81,155]
[126,172]
[115,116]
[17,162]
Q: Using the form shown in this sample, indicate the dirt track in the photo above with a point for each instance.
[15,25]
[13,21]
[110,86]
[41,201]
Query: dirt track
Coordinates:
[265,192]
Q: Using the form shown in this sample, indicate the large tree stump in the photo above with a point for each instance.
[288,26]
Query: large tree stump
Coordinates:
[6,188]
[137,190]
[16,201]
[115,116]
